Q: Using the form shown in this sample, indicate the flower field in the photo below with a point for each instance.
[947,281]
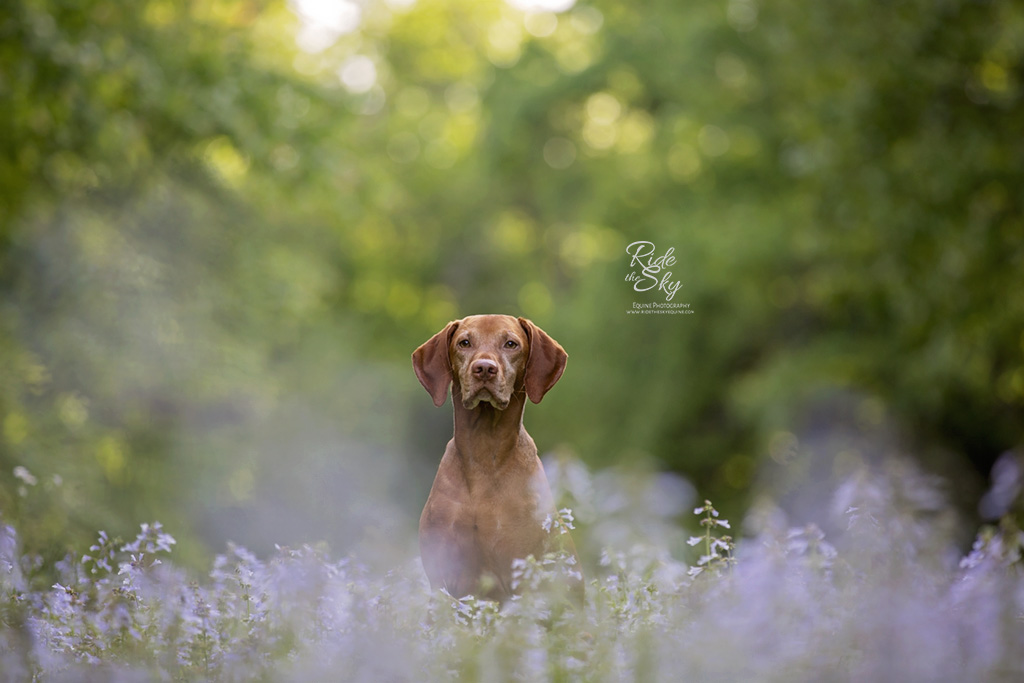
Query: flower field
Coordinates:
[886,600]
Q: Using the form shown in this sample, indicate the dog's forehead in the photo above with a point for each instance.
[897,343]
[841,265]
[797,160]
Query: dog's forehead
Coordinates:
[493,326]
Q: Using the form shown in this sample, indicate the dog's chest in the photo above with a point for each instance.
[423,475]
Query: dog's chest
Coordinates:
[502,535]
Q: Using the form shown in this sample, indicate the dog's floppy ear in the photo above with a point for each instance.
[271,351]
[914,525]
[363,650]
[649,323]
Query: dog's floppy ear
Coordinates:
[545,363]
[430,361]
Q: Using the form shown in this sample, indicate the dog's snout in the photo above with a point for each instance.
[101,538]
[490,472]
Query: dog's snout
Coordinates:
[484,369]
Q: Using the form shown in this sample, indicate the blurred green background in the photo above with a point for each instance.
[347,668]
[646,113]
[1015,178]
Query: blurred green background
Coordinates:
[225,225]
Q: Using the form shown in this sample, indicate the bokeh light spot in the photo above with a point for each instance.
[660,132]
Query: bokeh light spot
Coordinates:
[684,163]
[110,454]
[358,74]
[559,153]
[540,24]
[603,108]
[513,233]
[222,156]
[535,300]
[713,141]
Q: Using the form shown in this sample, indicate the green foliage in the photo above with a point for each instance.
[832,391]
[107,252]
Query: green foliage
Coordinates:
[223,228]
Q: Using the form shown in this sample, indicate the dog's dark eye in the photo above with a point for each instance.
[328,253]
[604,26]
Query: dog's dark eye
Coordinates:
[464,343]
[511,344]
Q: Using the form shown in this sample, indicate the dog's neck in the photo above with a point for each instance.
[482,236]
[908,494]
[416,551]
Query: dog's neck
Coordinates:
[486,436]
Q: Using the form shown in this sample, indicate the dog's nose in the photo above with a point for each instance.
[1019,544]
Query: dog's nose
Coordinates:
[484,369]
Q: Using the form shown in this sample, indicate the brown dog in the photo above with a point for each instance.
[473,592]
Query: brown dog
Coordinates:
[490,496]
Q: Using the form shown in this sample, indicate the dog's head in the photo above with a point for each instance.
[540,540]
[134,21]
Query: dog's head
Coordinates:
[490,357]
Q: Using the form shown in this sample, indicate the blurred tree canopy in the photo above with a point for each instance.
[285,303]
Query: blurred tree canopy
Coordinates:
[225,225]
